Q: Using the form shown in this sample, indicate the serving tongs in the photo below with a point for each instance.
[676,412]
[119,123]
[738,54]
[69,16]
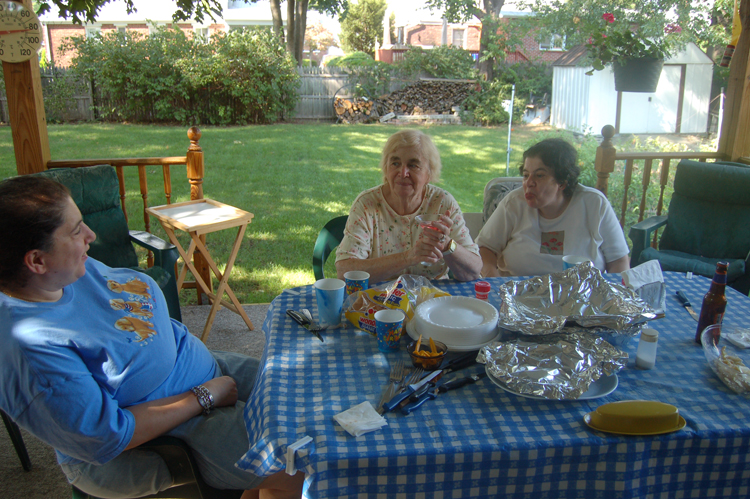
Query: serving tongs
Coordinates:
[306,323]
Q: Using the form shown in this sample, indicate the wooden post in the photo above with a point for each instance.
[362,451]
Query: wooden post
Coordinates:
[604,163]
[735,129]
[23,87]
[195,173]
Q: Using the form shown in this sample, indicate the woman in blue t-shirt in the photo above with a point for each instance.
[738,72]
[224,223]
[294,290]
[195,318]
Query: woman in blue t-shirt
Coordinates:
[92,364]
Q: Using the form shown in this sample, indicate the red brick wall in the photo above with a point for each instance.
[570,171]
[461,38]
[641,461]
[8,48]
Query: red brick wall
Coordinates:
[57,34]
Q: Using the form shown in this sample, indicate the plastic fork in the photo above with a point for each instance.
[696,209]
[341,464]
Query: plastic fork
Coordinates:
[396,376]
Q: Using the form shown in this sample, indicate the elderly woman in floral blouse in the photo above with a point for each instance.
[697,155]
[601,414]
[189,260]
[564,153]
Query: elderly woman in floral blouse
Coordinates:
[381,236]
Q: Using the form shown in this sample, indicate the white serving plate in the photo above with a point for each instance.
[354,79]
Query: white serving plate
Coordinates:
[599,388]
[413,332]
[457,320]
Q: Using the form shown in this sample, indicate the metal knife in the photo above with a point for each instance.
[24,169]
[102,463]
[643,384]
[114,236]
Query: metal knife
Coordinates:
[442,388]
[460,362]
[686,303]
[305,323]
[400,397]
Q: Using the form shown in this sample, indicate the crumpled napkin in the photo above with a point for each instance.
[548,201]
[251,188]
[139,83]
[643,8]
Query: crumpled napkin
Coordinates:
[647,281]
[360,419]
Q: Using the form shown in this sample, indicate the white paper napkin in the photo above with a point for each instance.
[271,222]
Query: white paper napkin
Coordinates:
[644,273]
[360,419]
[648,282]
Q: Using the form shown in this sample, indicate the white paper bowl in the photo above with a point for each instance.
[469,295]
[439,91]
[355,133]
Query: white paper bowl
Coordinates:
[457,320]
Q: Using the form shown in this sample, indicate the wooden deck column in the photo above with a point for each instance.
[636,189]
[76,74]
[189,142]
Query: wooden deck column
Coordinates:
[604,162]
[195,174]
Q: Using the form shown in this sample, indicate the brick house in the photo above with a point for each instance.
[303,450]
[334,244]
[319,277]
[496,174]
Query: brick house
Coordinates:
[113,16]
[418,27]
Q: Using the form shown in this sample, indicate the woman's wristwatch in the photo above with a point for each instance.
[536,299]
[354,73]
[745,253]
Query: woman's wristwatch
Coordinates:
[205,399]
[451,248]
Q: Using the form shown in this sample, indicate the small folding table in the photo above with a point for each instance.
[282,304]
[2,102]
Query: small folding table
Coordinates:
[197,218]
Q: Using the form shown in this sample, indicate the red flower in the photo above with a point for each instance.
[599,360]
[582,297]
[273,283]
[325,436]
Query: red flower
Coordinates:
[609,17]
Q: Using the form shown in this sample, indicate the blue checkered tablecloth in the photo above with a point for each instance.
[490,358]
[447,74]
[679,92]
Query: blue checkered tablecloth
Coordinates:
[481,441]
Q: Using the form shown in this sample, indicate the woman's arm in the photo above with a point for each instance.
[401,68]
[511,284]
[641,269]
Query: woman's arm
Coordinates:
[489,262]
[156,417]
[619,265]
[466,266]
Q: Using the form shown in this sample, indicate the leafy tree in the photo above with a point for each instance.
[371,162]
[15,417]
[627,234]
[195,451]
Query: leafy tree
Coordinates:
[707,23]
[494,41]
[445,61]
[362,26]
[318,37]
[296,13]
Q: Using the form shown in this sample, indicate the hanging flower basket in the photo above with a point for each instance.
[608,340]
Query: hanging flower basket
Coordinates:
[637,75]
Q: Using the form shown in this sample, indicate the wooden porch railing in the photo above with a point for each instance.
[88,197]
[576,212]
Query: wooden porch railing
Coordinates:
[193,160]
[607,155]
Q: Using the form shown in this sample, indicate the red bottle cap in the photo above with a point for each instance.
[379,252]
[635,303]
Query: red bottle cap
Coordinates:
[482,287]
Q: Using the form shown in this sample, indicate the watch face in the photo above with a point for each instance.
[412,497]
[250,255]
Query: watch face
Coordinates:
[20,32]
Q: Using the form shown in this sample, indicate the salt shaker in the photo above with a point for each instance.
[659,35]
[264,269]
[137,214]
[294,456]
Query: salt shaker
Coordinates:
[645,356]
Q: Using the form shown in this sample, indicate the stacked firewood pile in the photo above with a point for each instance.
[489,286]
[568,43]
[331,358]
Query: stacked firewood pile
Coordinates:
[427,97]
[432,97]
[355,110]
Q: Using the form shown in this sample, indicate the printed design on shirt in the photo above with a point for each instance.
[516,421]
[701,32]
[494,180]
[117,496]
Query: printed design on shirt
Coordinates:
[143,329]
[553,243]
[139,308]
[137,303]
[133,286]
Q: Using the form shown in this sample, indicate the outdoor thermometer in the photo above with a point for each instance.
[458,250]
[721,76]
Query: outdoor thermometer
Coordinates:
[20,32]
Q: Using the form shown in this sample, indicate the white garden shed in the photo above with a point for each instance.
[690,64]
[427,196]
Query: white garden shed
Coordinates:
[587,103]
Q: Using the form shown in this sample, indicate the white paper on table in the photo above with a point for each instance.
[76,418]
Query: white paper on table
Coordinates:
[360,419]
[647,281]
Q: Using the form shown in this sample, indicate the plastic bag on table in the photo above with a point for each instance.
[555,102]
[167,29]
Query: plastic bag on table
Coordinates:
[405,294]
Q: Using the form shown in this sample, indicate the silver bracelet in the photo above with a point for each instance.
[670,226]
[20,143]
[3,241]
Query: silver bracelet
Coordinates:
[205,399]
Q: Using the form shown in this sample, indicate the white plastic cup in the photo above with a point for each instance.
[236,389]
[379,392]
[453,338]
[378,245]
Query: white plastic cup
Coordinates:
[329,296]
[356,280]
[573,260]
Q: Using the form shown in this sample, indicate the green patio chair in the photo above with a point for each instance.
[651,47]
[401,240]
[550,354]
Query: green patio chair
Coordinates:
[96,191]
[329,237]
[707,222]
[188,483]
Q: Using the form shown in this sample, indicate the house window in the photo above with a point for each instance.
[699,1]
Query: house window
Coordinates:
[201,33]
[553,42]
[458,38]
[92,31]
[400,35]
[122,29]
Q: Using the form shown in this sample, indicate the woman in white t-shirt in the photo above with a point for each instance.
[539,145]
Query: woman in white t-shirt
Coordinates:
[552,216]
[381,236]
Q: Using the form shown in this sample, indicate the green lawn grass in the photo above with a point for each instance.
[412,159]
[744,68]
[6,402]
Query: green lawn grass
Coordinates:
[293,177]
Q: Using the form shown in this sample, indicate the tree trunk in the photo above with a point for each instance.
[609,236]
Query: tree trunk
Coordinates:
[486,68]
[278,22]
[301,25]
[291,28]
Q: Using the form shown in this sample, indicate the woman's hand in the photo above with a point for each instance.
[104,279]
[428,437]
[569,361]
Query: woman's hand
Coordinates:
[432,241]
[223,390]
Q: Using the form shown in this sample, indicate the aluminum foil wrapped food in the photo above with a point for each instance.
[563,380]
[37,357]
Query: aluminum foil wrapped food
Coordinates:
[558,366]
[575,300]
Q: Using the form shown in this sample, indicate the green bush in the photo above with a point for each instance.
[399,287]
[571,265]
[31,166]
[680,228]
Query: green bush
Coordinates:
[440,62]
[353,60]
[59,93]
[239,77]
[485,106]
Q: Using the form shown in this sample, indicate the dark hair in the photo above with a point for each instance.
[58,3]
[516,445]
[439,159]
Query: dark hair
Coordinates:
[31,209]
[559,156]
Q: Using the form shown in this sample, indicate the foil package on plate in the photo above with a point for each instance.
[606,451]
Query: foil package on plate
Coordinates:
[558,366]
[576,300]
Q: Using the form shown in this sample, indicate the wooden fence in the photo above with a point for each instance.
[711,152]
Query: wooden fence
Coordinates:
[317,90]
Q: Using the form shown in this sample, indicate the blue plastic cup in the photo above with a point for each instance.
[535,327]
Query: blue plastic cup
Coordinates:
[329,295]
[388,326]
[356,280]
[573,260]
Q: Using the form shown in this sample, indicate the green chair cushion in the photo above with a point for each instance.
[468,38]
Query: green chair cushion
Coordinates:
[95,190]
[677,261]
[709,211]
